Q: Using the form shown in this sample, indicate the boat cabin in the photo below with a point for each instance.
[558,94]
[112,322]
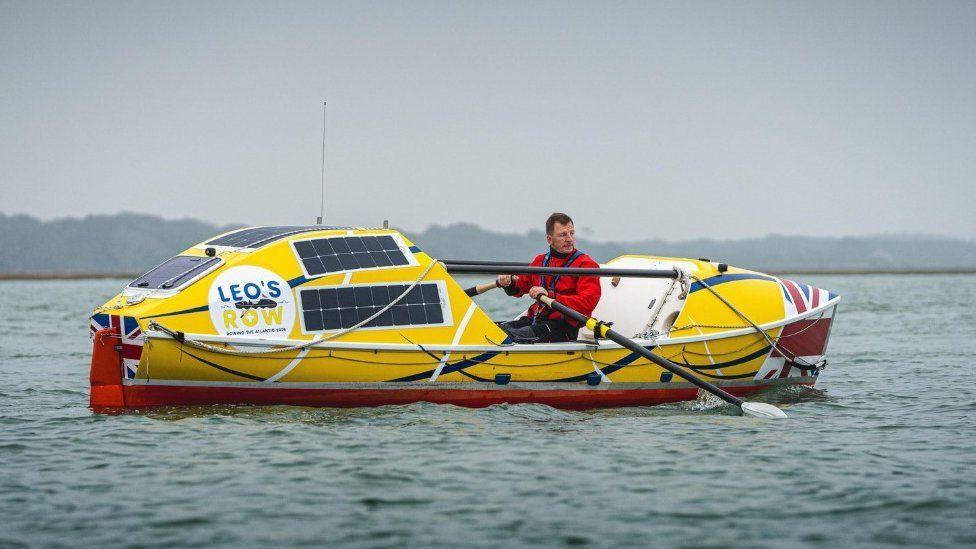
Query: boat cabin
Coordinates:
[366,284]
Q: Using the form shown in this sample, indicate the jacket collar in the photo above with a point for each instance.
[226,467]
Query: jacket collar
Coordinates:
[554,253]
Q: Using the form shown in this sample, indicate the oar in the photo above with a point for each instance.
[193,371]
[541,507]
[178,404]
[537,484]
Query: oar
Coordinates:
[484,263]
[515,268]
[757,409]
[481,288]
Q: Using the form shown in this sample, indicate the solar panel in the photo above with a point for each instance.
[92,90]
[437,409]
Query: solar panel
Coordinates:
[349,253]
[259,236]
[342,307]
[174,272]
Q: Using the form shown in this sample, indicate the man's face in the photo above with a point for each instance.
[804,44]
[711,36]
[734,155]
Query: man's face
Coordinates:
[563,237]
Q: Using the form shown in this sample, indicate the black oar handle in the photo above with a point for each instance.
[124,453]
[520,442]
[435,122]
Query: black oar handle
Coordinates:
[602,330]
[481,288]
[454,268]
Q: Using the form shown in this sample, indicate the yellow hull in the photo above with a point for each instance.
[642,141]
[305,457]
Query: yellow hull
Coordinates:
[252,325]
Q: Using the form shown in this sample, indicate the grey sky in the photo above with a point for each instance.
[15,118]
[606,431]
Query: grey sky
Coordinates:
[639,119]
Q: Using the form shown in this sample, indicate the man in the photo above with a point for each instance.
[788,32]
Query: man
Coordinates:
[542,324]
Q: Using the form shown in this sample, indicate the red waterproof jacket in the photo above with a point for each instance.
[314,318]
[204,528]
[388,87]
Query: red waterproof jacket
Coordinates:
[581,293]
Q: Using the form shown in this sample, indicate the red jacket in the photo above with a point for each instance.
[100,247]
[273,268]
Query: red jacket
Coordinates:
[581,293]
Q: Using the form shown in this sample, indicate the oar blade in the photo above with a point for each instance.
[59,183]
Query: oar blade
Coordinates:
[763,410]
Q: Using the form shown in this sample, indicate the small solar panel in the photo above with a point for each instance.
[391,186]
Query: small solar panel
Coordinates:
[330,255]
[259,236]
[174,272]
[345,306]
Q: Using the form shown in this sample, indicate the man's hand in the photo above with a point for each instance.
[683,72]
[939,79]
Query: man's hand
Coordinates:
[536,291]
[504,281]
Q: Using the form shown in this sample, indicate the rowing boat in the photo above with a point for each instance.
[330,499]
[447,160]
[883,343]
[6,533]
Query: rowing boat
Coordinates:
[342,316]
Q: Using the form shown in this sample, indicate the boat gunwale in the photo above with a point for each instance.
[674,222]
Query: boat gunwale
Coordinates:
[515,347]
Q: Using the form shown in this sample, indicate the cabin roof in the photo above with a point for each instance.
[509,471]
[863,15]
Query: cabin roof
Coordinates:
[255,237]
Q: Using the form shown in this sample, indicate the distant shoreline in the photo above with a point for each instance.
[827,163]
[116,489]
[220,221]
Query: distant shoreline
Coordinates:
[66,276]
[853,272]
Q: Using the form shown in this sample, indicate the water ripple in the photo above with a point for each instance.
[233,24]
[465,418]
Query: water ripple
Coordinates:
[878,454]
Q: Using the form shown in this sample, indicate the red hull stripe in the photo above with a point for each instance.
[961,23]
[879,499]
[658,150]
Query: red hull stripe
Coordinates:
[138,396]
[131,352]
[805,337]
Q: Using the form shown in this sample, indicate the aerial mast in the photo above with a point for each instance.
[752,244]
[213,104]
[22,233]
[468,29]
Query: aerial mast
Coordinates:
[321,216]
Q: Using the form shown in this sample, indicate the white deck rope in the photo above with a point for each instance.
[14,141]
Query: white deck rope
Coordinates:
[306,345]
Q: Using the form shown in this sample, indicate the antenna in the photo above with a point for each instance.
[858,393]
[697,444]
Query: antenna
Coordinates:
[321,216]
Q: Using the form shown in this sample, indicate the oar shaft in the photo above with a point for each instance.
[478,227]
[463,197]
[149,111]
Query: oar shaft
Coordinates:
[483,263]
[563,271]
[629,344]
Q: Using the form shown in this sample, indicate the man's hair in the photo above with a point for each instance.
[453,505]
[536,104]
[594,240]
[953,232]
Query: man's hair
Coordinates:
[557,217]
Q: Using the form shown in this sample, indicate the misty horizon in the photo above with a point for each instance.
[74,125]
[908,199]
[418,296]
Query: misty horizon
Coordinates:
[672,121]
[501,232]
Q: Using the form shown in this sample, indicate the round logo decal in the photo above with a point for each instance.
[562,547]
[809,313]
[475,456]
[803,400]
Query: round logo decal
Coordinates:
[251,302]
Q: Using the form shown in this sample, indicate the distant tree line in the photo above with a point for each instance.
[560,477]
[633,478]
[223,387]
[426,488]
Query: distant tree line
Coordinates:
[133,243]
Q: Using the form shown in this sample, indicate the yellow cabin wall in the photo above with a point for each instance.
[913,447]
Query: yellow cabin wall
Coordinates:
[279,257]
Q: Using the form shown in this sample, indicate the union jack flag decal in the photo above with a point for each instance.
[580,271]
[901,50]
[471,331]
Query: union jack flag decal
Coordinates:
[800,298]
[127,329]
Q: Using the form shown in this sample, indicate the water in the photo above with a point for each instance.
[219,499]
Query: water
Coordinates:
[881,453]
